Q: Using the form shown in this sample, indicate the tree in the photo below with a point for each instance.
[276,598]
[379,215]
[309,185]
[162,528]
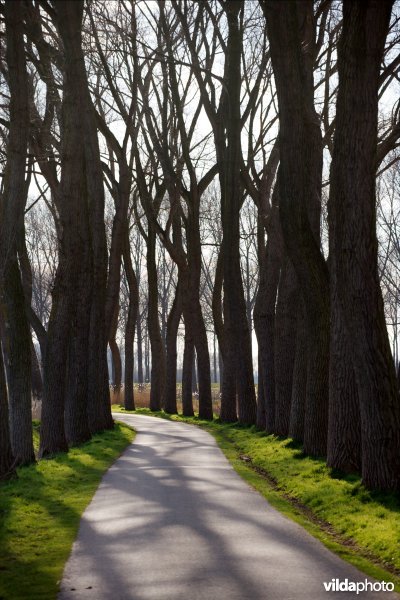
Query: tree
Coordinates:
[82,264]
[300,144]
[352,214]
[17,340]
[226,123]
[174,318]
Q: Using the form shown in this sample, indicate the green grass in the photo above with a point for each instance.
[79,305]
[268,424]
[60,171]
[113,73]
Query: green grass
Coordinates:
[362,527]
[40,512]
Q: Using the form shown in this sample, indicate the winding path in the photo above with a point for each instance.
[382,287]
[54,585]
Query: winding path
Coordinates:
[172,520]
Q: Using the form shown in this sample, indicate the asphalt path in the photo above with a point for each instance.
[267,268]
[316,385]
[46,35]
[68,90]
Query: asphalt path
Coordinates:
[171,520]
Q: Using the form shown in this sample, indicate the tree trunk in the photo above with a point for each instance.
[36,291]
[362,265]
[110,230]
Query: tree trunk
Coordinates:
[13,200]
[75,413]
[228,413]
[299,385]
[139,345]
[344,431]
[264,314]
[52,431]
[188,353]
[173,321]
[261,420]
[352,215]
[74,277]
[157,392]
[203,366]
[76,417]
[221,370]
[129,399]
[18,350]
[238,367]
[215,359]
[300,142]
[146,358]
[195,388]
[116,378]
[285,346]
[190,277]
[26,275]
[98,405]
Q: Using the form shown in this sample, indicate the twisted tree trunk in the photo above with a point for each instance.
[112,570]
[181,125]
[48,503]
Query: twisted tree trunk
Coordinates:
[238,367]
[17,337]
[300,174]
[352,214]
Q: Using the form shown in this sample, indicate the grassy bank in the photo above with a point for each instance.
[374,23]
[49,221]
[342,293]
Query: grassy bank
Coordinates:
[361,526]
[40,512]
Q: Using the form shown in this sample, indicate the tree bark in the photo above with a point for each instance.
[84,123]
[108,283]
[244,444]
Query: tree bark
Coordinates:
[299,385]
[215,369]
[195,388]
[157,391]
[238,367]
[116,378]
[228,413]
[344,431]
[264,314]
[98,404]
[26,275]
[188,354]
[300,174]
[285,345]
[147,357]
[13,200]
[76,397]
[75,413]
[139,344]
[261,420]
[352,215]
[74,277]
[173,321]
[129,399]
[192,313]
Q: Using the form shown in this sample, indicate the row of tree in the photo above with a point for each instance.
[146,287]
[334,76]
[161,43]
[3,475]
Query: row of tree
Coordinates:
[122,118]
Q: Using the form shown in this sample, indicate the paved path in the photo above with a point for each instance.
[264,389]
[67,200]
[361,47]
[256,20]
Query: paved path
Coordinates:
[172,520]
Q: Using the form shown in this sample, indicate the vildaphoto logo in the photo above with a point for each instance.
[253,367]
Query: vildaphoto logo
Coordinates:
[344,585]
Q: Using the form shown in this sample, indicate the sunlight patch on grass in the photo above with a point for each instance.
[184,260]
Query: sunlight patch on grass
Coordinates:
[41,509]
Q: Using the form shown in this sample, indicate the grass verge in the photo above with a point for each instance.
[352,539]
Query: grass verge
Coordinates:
[40,512]
[362,527]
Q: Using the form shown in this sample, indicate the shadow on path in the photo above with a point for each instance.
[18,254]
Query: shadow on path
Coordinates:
[172,520]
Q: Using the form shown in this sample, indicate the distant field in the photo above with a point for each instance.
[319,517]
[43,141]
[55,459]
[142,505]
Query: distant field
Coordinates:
[142,397]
